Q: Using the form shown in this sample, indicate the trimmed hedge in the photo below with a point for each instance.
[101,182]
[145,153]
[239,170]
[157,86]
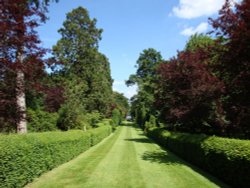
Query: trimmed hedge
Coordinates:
[98,134]
[25,157]
[227,159]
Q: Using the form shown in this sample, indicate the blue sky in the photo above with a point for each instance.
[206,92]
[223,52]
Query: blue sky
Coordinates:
[130,26]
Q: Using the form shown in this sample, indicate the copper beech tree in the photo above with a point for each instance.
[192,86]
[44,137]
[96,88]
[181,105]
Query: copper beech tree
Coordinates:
[188,92]
[232,28]
[207,89]
[20,56]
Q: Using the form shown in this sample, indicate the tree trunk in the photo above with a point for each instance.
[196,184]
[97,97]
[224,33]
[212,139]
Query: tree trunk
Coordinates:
[20,100]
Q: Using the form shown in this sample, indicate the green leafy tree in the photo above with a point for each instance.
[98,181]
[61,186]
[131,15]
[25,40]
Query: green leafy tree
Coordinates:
[40,120]
[150,124]
[99,92]
[85,90]
[199,41]
[145,77]
[120,102]
[116,117]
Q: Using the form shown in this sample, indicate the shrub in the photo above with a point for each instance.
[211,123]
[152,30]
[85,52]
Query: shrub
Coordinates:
[69,119]
[150,124]
[116,117]
[227,159]
[93,118]
[41,121]
[107,121]
[104,122]
[98,134]
[24,157]
[77,119]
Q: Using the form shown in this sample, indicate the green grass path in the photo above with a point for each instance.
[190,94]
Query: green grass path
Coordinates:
[126,159]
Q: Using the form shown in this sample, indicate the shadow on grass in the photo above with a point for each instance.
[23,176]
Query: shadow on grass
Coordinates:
[142,134]
[140,140]
[168,158]
[162,157]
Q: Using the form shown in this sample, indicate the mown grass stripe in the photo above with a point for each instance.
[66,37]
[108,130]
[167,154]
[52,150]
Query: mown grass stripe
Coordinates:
[77,170]
[119,167]
[130,165]
[168,169]
[106,171]
[126,159]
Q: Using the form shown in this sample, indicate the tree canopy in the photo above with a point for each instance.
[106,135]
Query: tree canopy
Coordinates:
[145,78]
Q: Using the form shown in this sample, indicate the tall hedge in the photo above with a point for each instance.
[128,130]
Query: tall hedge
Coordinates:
[227,159]
[24,157]
[98,134]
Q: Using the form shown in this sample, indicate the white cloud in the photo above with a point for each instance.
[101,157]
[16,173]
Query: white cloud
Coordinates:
[130,91]
[121,87]
[195,8]
[202,27]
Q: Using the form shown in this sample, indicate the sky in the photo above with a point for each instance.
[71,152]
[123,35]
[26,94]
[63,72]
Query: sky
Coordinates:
[130,26]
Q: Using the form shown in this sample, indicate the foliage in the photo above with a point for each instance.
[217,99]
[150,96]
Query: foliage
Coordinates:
[121,103]
[199,41]
[78,32]
[77,119]
[116,117]
[99,133]
[22,17]
[227,159]
[233,32]
[25,157]
[146,66]
[42,3]
[69,119]
[93,118]
[145,78]
[188,93]
[20,57]
[40,120]
[150,124]
[104,122]
[54,92]
[205,88]
[140,113]
[8,110]
[78,50]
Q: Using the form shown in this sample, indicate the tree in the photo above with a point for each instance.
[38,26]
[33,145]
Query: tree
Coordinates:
[85,90]
[43,3]
[99,93]
[80,38]
[187,93]
[232,28]
[145,77]
[151,123]
[20,56]
[116,117]
[199,42]
[120,102]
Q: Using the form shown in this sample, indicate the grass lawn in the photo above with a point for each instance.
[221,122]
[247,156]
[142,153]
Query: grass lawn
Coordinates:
[126,159]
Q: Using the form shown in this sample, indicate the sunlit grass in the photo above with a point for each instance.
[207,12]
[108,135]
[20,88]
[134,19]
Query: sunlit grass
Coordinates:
[126,159]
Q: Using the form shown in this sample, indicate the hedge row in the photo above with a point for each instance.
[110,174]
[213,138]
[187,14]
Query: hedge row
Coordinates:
[227,159]
[24,157]
[98,134]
